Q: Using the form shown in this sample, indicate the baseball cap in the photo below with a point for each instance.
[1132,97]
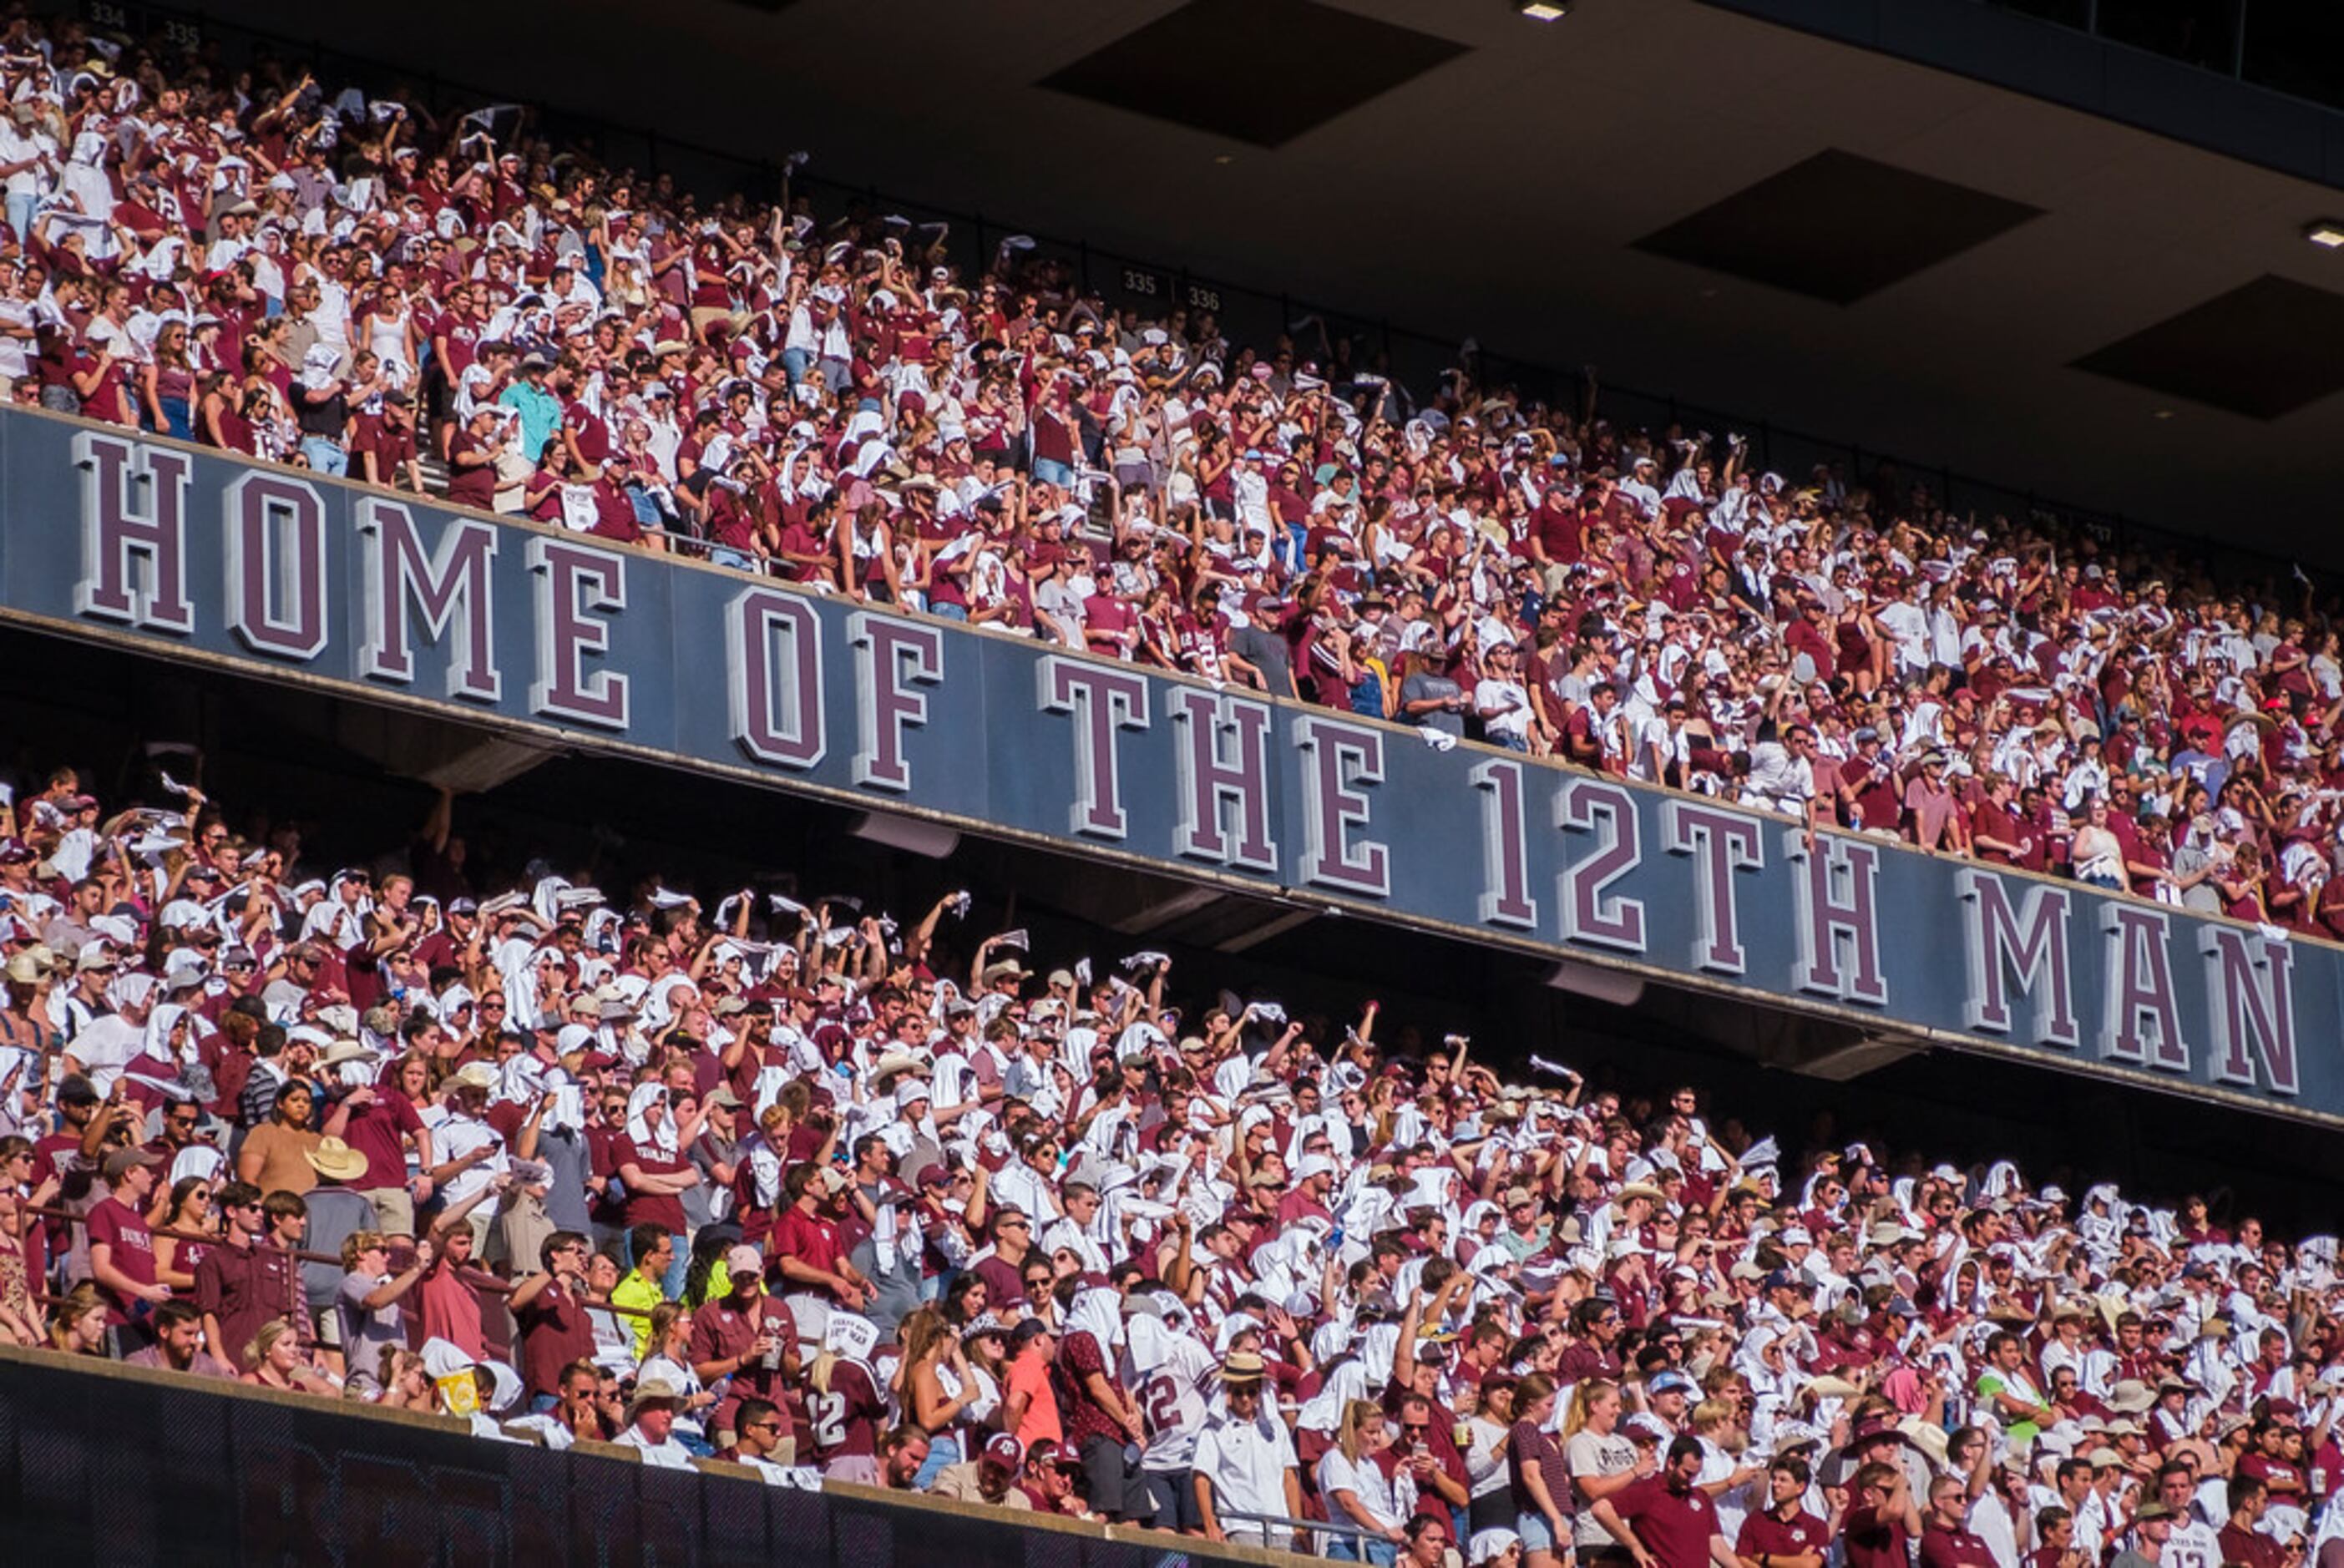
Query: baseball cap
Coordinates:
[1005,1452]
[119,1163]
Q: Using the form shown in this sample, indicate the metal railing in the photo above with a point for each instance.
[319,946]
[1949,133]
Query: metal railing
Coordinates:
[1320,1532]
[490,1289]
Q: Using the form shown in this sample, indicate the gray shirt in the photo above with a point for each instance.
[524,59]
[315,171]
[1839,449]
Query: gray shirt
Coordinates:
[2189,857]
[1423,688]
[366,1330]
[1265,652]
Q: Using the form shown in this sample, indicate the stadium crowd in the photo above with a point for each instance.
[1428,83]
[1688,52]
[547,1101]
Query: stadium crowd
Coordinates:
[355,286]
[804,1186]
[827,1195]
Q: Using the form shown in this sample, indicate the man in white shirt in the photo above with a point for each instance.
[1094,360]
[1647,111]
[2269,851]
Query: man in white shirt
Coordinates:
[1782,775]
[2192,1542]
[1502,701]
[28,166]
[651,1425]
[1662,746]
[471,1153]
[1245,1460]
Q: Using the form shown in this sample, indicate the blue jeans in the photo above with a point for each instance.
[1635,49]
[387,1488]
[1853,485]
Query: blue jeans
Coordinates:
[733,559]
[949,611]
[795,360]
[1350,1549]
[325,455]
[943,1450]
[1050,470]
[21,207]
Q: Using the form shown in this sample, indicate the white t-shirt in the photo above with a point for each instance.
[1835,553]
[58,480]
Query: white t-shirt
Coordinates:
[1364,1479]
[1778,781]
[1672,745]
[1246,1462]
[16,145]
[1590,1453]
[1173,1398]
[15,353]
[668,1455]
[1514,723]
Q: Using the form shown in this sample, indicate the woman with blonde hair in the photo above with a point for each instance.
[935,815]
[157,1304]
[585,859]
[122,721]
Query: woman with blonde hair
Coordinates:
[278,1362]
[78,1323]
[1603,1461]
[1356,1490]
[846,1410]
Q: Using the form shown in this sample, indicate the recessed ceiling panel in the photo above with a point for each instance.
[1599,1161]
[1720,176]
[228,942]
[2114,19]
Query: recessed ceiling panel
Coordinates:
[1837,227]
[1258,71]
[2263,349]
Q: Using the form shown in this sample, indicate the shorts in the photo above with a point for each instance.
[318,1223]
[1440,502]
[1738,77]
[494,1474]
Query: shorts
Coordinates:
[1113,1484]
[1492,1511]
[394,1210]
[1532,1529]
[1173,1496]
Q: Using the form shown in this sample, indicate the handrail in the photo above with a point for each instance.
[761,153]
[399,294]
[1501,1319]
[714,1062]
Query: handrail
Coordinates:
[1315,1527]
[478,1278]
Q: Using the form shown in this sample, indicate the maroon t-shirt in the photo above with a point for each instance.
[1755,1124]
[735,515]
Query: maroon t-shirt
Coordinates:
[1078,1408]
[555,1331]
[2246,1547]
[120,1228]
[1674,1526]
[1004,1282]
[1795,1537]
[843,1422]
[374,1129]
[664,1209]
[1953,1549]
[1874,1542]
[1527,1446]
[810,1239]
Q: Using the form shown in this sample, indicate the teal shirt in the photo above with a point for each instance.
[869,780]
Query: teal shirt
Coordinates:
[540,414]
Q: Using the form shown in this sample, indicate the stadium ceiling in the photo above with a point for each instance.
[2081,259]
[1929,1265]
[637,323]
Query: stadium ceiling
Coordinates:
[1753,218]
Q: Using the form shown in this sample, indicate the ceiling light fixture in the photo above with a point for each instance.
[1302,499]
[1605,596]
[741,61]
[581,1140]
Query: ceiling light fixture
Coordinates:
[2326,233]
[1543,10]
